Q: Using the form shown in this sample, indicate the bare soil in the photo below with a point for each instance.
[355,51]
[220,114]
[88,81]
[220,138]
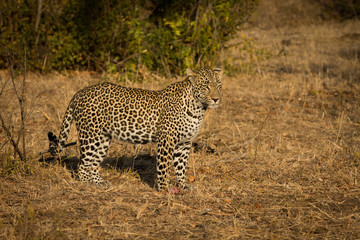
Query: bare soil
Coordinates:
[278,160]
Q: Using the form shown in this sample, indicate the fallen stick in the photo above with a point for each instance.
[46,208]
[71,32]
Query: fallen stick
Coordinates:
[65,146]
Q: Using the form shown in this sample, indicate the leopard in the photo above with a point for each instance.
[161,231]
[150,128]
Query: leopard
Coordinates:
[171,118]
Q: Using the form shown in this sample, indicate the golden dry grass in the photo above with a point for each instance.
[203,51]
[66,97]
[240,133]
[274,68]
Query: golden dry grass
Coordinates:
[279,159]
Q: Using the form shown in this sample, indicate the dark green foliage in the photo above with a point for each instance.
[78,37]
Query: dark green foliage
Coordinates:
[344,9]
[118,36]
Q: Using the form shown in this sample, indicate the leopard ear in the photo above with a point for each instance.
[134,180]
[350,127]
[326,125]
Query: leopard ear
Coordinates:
[217,70]
[191,75]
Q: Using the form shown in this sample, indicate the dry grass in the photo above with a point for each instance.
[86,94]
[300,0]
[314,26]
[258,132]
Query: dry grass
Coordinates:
[279,159]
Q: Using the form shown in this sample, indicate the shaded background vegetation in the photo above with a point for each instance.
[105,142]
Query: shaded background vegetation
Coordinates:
[119,36]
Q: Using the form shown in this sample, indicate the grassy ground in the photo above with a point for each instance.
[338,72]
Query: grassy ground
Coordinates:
[279,159]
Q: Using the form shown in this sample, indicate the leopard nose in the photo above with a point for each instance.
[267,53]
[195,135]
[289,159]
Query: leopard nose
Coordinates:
[216,100]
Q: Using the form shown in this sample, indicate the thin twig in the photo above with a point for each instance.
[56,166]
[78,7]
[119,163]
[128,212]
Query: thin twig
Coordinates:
[23,104]
[339,130]
[20,95]
[323,212]
[258,136]
[10,137]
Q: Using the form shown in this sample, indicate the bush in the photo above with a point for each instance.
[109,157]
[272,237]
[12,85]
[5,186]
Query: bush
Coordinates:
[343,9]
[118,36]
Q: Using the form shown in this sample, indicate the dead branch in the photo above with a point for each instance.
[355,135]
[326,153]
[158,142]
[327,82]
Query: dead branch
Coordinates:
[20,93]
[10,137]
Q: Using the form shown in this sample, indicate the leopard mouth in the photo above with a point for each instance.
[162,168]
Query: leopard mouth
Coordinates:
[215,105]
[212,104]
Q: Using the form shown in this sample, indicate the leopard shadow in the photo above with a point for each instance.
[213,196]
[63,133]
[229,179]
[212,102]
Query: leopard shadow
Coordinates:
[144,165]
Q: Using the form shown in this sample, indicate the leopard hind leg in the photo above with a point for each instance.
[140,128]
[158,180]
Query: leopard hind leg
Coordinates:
[93,152]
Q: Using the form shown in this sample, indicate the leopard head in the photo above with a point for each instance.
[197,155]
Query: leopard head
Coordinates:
[206,86]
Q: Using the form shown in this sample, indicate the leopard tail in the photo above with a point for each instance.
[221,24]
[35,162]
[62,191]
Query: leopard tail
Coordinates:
[56,144]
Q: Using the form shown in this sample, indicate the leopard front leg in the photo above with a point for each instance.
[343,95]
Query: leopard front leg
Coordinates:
[181,156]
[164,157]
